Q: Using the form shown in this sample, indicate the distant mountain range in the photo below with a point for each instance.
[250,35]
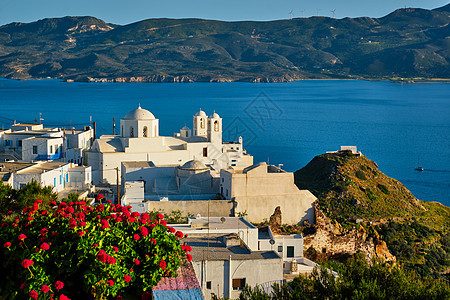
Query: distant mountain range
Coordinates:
[407,43]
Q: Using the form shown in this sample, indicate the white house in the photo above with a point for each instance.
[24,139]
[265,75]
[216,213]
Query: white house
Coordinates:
[230,252]
[31,142]
[139,140]
[59,175]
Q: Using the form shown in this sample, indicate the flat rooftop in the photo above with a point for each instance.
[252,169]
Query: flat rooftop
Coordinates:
[14,166]
[42,167]
[138,164]
[215,223]
[217,250]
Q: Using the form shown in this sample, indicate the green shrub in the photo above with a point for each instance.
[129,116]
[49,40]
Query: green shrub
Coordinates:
[361,175]
[383,188]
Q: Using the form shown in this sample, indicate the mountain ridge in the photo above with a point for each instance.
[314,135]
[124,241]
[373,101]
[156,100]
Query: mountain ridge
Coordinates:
[406,43]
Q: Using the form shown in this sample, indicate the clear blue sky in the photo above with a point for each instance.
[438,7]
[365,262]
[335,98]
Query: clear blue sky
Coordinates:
[128,11]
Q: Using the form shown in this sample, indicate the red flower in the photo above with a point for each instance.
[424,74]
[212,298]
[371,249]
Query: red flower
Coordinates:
[189,257]
[110,282]
[101,256]
[127,278]
[153,241]
[27,262]
[59,285]
[104,223]
[44,231]
[22,236]
[9,212]
[162,264]
[45,246]
[23,285]
[63,297]
[110,260]
[38,201]
[80,233]
[34,295]
[115,249]
[119,297]
[7,245]
[135,214]
[136,237]
[136,261]
[172,230]
[100,196]
[144,231]
[159,216]
[188,248]
[52,203]
[179,234]
[163,222]
[45,288]
[145,216]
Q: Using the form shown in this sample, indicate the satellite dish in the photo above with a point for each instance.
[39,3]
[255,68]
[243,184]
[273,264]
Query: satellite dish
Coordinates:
[222,220]
[272,241]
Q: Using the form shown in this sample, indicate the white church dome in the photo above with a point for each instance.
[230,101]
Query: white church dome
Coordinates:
[214,116]
[139,114]
[194,165]
[200,113]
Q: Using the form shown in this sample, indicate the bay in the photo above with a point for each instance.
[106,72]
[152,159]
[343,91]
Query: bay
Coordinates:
[392,124]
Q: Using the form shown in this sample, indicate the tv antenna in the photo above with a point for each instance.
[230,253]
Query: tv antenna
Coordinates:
[333,11]
[318,12]
[291,13]
[303,13]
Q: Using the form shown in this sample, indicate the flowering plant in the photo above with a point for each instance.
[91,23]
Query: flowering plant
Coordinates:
[75,250]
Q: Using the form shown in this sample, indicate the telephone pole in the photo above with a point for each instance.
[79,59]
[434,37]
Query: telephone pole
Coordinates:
[118,187]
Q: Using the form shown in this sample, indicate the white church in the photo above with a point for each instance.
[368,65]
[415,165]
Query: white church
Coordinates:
[139,140]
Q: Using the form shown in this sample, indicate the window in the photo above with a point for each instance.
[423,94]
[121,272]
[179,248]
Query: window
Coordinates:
[280,249]
[290,251]
[56,150]
[145,131]
[216,125]
[51,149]
[238,284]
[34,149]
[131,131]
[19,143]
[205,152]
[208,285]
[7,143]
[202,123]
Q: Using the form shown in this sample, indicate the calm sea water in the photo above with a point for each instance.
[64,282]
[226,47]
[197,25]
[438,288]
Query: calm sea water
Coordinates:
[286,123]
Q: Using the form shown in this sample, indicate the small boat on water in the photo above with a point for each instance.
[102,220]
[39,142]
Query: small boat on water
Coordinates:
[419,168]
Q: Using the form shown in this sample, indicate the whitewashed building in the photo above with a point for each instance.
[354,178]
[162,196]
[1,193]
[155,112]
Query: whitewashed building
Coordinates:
[139,140]
[33,142]
[59,175]
[230,252]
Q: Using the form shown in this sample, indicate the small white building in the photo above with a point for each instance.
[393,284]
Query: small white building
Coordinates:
[31,142]
[59,175]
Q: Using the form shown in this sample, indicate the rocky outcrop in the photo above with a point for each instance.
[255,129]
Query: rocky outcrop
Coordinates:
[331,240]
[275,221]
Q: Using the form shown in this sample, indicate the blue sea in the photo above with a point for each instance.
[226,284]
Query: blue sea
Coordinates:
[393,124]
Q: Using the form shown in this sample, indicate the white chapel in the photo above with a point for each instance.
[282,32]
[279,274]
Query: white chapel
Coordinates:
[139,140]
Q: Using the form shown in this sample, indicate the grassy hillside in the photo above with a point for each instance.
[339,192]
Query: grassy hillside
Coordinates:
[350,187]
[406,43]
